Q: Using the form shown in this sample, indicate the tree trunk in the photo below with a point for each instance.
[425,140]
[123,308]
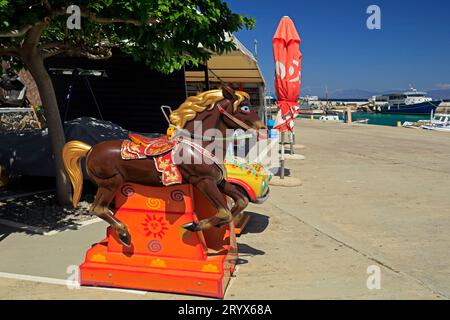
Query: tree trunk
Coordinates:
[35,65]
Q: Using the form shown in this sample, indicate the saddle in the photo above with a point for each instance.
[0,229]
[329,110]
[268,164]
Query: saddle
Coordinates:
[159,149]
[152,147]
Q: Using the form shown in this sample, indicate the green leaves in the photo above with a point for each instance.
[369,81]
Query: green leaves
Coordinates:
[3,4]
[185,32]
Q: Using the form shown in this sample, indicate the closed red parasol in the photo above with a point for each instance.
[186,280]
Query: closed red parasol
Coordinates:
[288,62]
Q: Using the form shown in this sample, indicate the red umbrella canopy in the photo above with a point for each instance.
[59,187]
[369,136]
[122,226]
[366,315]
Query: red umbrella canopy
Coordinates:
[288,63]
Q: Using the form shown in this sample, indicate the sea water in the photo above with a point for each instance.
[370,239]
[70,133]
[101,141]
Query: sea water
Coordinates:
[382,119]
[388,119]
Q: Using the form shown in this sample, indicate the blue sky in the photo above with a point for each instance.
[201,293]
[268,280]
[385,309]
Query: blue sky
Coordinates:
[340,52]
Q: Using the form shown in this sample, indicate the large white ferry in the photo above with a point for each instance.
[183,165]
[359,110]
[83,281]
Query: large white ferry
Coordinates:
[409,102]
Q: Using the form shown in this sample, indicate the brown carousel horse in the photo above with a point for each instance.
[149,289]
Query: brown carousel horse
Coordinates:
[220,109]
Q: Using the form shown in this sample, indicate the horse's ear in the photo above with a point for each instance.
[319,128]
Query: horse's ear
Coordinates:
[228,93]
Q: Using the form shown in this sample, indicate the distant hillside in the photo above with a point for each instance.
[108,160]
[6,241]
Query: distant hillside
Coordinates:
[442,94]
[352,94]
[436,94]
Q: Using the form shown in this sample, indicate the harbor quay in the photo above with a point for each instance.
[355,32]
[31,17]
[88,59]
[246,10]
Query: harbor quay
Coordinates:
[370,221]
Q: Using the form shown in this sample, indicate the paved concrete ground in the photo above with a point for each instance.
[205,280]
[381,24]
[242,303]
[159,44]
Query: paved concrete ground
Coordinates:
[370,196]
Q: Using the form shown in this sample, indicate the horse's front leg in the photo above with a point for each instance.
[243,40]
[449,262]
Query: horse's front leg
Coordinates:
[208,187]
[240,200]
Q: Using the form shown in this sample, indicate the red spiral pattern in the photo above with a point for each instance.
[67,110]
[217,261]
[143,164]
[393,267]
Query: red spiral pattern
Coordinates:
[127,190]
[177,195]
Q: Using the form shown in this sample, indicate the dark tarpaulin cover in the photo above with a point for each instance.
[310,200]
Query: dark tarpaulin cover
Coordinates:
[29,153]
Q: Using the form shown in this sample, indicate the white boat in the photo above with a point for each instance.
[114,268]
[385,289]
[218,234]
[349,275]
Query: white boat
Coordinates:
[309,105]
[313,111]
[330,118]
[361,121]
[415,125]
[437,122]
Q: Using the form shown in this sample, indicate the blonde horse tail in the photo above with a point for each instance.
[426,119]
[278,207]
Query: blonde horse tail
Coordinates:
[73,152]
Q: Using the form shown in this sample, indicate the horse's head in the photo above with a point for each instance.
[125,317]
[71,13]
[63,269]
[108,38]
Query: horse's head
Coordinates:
[220,109]
[238,112]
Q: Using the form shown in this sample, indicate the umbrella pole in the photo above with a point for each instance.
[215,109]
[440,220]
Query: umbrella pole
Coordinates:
[292,139]
[282,156]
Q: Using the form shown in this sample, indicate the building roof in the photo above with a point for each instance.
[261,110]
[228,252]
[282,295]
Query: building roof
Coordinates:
[236,66]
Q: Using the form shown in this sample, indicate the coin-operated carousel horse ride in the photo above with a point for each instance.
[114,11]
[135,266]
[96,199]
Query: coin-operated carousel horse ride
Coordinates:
[172,228]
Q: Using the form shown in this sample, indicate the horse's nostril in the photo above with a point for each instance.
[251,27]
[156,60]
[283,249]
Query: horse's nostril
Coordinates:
[259,125]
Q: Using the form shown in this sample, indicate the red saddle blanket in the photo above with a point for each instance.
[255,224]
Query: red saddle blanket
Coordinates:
[153,146]
[160,149]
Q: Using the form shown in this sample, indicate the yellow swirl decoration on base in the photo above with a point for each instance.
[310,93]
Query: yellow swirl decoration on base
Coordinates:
[159,263]
[210,268]
[153,203]
[98,258]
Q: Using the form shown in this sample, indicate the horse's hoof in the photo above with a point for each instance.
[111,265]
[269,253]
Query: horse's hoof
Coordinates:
[192,226]
[125,238]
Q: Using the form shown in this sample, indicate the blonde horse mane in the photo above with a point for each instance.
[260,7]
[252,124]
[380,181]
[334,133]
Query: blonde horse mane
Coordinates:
[204,101]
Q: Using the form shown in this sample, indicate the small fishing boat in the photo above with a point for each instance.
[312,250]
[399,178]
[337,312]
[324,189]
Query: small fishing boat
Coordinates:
[309,105]
[415,125]
[361,121]
[330,118]
[437,122]
[440,122]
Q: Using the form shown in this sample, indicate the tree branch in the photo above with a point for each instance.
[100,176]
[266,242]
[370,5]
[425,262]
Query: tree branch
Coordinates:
[54,48]
[9,51]
[93,54]
[34,34]
[84,13]
[104,20]
[52,45]
[47,6]
[89,55]
[51,53]
[16,33]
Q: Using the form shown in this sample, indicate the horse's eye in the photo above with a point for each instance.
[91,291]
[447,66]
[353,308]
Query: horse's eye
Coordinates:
[245,109]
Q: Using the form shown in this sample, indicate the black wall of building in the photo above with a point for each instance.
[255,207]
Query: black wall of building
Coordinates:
[131,95]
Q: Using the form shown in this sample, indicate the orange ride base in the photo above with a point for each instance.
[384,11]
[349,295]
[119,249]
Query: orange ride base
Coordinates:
[163,255]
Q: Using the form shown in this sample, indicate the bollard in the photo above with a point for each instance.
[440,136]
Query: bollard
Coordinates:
[292,142]
[312,117]
[399,124]
[349,115]
[282,156]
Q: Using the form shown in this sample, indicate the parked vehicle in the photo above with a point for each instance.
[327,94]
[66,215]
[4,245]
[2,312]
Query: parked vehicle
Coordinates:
[251,179]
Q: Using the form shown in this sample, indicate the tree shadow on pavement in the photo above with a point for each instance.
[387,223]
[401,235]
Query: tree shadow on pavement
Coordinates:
[6,231]
[34,209]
